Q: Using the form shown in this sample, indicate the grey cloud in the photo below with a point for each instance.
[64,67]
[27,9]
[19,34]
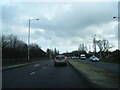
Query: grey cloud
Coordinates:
[68,21]
[78,18]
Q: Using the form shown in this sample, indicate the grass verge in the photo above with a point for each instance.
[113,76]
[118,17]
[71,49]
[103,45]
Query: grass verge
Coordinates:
[110,60]
[97,77]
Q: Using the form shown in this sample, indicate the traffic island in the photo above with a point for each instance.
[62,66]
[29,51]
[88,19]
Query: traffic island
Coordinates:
[97,77]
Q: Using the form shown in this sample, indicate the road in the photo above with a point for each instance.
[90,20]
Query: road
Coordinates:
[43,75]
[113,67]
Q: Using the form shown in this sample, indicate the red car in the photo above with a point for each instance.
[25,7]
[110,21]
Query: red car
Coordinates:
[60,59]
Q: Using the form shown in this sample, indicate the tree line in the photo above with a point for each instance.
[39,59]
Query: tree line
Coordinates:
[13,48]
[103,53]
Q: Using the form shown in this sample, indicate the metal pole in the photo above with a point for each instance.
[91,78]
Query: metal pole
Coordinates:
[29,42]
[100,49]
[50,48]
[95,44]
[29,38]
[100,55]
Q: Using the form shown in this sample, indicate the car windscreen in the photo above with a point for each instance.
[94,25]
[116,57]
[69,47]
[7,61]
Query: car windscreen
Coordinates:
[94,57]
[60,58]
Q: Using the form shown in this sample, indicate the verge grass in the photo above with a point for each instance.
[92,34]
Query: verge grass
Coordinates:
[96,76]
[110,60]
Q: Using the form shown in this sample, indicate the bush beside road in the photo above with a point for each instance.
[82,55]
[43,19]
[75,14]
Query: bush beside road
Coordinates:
[97,77]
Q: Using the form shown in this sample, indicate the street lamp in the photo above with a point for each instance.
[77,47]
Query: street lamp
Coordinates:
[29,38]
[114,17]
[50,48]
[100,50]
[94,41]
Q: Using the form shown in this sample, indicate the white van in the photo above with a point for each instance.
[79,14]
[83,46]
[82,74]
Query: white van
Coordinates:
[82,57]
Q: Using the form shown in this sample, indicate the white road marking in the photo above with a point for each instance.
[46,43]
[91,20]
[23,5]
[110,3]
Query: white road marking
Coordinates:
[36,65]
[32,73]
[44,67]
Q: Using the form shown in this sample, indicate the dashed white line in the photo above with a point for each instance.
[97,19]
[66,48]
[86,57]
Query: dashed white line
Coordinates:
[36,65]
[32,73]
[44,67]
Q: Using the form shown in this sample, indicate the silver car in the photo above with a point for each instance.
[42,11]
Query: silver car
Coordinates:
[60,60]
[94,59]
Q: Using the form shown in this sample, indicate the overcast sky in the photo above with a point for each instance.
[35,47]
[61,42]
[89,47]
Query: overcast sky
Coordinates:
[68,24]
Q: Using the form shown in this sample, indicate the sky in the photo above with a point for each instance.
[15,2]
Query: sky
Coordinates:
[61,25]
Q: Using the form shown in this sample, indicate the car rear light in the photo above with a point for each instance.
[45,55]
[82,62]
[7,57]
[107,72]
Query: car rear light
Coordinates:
[65,59]
[54,59]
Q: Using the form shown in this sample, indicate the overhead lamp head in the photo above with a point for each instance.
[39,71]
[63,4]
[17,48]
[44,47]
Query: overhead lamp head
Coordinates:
[114,17]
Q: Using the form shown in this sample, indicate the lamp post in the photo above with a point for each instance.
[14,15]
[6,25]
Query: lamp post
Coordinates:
[29,38]
[114,17]
[100,49]
[117,18]
[50,48]
[94,41]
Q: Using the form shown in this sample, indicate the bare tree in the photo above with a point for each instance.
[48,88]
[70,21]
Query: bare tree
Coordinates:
[9,41]
[104,46]
[82,47]
[3,41]
[107,45]
[13,48]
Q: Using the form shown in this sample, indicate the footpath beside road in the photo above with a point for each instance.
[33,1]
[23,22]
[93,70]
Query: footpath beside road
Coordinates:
[97,77]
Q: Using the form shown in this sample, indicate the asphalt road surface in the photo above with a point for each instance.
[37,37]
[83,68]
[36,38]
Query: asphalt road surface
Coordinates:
[43,75]
[113,67]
